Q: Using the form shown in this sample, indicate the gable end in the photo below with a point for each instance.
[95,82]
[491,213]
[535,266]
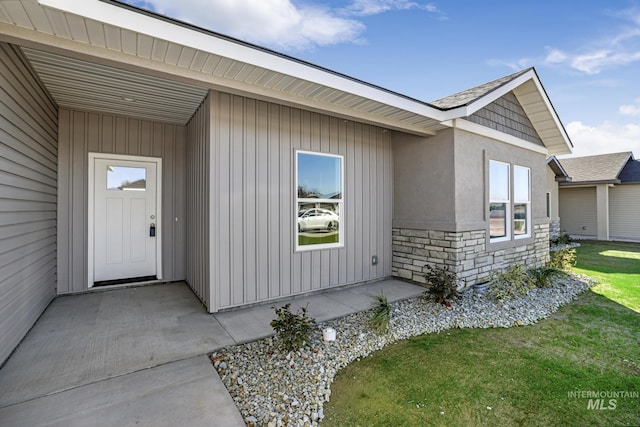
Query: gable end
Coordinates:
[506,115]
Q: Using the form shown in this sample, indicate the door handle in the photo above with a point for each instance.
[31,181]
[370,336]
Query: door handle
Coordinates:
[152,230]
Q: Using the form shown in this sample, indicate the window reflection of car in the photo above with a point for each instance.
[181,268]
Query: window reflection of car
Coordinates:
[317,219]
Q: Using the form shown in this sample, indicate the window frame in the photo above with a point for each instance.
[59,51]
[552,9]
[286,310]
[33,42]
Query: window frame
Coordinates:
[318,201]
[526,202]
[507,202]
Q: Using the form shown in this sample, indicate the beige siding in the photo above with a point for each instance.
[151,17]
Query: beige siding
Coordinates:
[624,206]
[252,206]
[28,168]
[197,199]
[578,211]
[81,133]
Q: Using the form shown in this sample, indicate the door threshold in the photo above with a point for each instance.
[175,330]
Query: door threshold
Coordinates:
[124,281]
[129,284]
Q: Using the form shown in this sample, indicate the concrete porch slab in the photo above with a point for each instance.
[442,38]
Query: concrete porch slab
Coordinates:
[86,338]
[184,393]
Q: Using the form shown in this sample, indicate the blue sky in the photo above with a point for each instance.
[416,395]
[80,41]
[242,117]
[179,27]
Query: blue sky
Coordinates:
[587,53]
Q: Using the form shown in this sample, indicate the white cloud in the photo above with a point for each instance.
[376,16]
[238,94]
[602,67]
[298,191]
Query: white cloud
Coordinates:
[555,56]
[619,49]
[281,24]
[373,7]
[630,109]
[276,23]
[607,137]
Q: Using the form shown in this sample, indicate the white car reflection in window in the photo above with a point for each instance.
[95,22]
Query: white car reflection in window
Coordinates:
[317,219]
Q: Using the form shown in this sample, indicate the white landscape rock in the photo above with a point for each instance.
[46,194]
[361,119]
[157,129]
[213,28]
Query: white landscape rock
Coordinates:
[274,387]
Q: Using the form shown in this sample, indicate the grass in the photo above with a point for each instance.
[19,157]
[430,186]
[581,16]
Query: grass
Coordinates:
[517,376]
[616,267]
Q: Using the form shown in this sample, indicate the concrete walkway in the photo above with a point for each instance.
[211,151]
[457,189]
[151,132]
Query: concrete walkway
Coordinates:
[137,356]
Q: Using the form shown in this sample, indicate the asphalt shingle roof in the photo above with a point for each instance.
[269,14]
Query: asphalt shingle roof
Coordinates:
[466,97]
[600,168]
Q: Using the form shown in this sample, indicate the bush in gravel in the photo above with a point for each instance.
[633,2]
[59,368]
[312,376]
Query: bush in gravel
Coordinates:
[562,239]
[541,276]
[563,259]
[293,329]
[443,286]
[381,314]
[511,283]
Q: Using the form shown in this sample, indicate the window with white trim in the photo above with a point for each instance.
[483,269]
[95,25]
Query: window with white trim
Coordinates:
[319,201]
[509,201]
[521,202]
[499,201]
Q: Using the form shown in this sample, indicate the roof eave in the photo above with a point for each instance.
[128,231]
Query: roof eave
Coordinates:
[112,13]
[558,144]
[582,183]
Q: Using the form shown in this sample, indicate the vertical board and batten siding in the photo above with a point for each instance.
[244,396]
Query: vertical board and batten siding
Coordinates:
[253,216]
[578,209]
[197,261]
[83,132]
[624,206]
[28,197]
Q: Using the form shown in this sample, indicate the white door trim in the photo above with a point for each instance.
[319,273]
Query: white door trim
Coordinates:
[91,203]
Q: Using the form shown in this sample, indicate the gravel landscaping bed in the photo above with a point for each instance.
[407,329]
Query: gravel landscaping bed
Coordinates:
[272,387]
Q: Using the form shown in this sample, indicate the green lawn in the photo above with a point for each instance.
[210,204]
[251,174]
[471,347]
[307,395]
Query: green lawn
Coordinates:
[519,376]
[616,267]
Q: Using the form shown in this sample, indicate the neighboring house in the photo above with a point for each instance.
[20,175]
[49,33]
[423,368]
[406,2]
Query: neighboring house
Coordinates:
[136,147]
[600,198]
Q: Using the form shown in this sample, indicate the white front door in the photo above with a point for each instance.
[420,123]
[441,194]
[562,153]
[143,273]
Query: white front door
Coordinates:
[125,219]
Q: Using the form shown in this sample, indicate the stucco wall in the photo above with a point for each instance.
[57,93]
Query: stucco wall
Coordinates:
[554,204]
[424,181]
[453,231]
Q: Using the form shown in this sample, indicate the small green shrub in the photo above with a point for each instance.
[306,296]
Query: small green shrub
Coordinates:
[293,329]
[541,277]
[443,286]
[380,314]
[562,239]
[511,283]
[563,259]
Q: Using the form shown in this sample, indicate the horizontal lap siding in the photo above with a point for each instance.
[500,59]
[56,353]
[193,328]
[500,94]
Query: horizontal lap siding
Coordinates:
[197,199]
[28,168]
[253,199]
[83,132]
[624,206]
[578,211]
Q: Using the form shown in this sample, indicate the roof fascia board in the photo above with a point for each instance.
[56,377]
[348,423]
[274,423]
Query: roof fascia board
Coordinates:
[140,23]
[561,172]
[552,110]
[500,91]
[42,41]
[624,164]
[589,183]
[497,135]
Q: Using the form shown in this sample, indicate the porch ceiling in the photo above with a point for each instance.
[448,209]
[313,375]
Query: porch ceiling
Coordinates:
[132,46]
[83,85]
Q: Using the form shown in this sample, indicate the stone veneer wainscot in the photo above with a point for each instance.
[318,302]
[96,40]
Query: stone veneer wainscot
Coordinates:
[465,253]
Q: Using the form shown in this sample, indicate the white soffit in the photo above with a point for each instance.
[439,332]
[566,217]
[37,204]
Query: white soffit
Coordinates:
[208,60]
[88,86]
